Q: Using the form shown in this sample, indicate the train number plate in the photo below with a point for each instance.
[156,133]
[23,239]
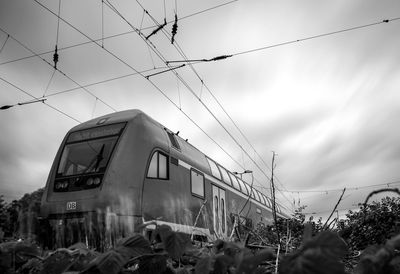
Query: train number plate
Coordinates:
[71,205]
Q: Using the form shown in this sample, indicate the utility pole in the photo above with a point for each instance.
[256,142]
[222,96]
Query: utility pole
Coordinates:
[273,196]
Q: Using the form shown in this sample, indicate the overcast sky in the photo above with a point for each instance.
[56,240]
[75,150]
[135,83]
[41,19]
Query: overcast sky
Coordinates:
[328,106]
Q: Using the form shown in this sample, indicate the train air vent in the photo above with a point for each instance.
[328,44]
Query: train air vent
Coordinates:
[173,140]
[174,161]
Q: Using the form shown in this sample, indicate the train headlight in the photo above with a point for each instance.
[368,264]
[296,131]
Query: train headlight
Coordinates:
[89,181]
[96,181]
[58,185]
[65,185]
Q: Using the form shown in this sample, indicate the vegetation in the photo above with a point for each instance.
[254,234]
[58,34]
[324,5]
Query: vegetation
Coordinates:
[305,246]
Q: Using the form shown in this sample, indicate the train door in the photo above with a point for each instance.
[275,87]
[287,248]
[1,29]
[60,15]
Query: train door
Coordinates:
[219,212]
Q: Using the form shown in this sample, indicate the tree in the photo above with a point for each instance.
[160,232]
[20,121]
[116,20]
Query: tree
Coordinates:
[372,224]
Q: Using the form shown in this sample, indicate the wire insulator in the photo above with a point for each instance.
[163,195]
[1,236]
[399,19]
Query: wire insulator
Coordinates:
[174,29]
[55,58]
[157,29]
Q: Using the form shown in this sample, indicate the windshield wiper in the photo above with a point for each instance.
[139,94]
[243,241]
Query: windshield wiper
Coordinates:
[95,162]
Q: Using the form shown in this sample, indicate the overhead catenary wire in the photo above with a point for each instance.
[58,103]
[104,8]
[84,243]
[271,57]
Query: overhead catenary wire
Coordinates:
[114,35]
[115,10]
[154,85]
[384,21]
[181,52]
[39,99]
[64,74]
[101,82]
[4,44]
[183,81]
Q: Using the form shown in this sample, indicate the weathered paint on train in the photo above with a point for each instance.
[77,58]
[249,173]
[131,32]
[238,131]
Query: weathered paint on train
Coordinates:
[126,195]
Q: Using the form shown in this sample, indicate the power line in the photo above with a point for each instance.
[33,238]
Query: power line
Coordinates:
[115,35]
[347,188]
[181,52]
[316,36]
[118,58]
[38,98]
[44,60]
[101,82]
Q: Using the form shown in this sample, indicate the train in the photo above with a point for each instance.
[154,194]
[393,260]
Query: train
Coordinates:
[124,171]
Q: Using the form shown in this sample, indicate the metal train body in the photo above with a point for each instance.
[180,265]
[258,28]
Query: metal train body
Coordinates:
[113,173]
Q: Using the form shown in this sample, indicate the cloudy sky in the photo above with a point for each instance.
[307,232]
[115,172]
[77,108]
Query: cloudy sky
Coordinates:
[329,106]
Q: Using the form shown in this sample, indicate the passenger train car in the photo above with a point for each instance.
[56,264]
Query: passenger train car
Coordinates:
[115,173]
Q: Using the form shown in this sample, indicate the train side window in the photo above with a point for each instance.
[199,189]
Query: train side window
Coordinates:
[263,201]
[234,181]
[197,183]
[278,208]
[248,189]
[258,198]
[252,193]
[225,175]
[242,186]
[269,204]
[158,168]
[214,169]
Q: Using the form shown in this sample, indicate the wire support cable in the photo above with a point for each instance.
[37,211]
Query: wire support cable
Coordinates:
[39,99]
[140,73]
[111,36]
[63,73]
[181,52]
[115,56]
[4,44]
[384,21]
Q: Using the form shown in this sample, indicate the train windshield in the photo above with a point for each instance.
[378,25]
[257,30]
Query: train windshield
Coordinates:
[88,151]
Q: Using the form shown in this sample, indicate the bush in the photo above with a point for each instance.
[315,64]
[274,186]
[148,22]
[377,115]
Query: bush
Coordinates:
[372,224]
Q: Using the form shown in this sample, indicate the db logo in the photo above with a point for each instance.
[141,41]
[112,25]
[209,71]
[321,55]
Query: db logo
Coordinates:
[71,205]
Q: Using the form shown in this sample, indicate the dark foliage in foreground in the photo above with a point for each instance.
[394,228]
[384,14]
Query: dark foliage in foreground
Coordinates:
[308,248]
[175,253]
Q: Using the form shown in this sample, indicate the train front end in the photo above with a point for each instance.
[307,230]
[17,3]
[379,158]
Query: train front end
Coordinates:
[82,201]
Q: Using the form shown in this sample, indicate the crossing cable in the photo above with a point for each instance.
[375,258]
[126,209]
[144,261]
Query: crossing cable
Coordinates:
[138,72]
[5,42]
[154,85]
[276,45]
[116,35]
[39,98]
[184,82]
[384,21]
[181,52]
[47,62]
[101,82]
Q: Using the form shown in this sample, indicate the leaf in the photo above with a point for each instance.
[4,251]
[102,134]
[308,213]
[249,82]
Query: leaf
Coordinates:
[152,263]
[176,243]
[231,250]
[57,262]
[182,270]
[383,259]
[218,246]
[329,243]
[160,233]
[250,262]
[133,246]
[321,254]
[110,262]
[203,266]
[222,263]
